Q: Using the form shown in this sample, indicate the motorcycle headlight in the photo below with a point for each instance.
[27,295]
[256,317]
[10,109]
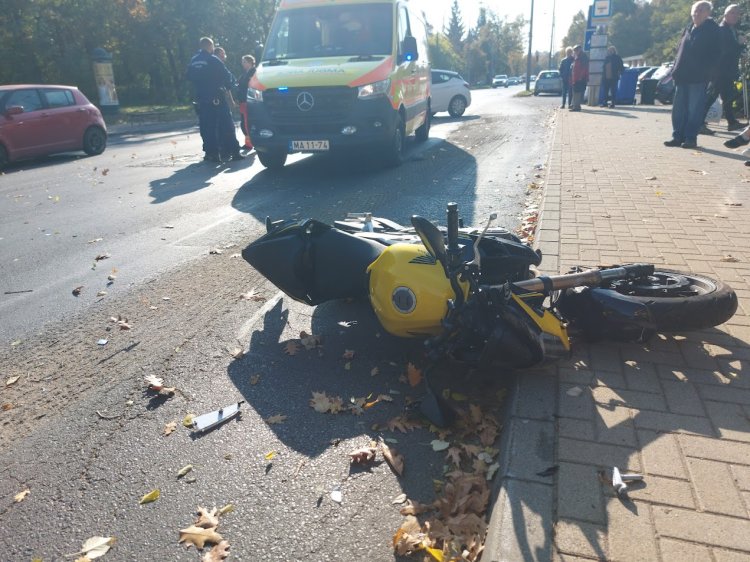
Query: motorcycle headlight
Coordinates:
[375,89]
[254,95]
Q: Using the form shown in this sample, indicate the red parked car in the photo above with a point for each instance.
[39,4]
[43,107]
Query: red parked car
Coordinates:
[36,120]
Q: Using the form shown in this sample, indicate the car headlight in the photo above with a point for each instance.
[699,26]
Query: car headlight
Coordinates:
[375,89]
[254,95]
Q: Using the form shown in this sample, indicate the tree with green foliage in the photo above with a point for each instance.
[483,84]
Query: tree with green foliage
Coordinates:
[455,29]
[576,32]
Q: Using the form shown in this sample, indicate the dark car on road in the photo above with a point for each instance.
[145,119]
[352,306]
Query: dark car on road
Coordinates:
[665,85]
[37,120]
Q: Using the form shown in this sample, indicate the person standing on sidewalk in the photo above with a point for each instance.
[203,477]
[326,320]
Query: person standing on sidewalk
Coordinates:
[229,148]
[727,69]
[579,76]
[565,65]
[693,67]
[248,65]
[612,70]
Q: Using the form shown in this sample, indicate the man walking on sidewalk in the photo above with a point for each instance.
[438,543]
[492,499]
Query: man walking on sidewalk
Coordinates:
[565,75]
[693,68]
[727,68]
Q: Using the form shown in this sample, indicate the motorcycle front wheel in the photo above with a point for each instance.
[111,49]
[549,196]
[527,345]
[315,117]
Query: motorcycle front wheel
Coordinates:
[680,302]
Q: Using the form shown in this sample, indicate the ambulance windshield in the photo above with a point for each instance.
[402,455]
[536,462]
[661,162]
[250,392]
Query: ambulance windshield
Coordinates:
[358,30]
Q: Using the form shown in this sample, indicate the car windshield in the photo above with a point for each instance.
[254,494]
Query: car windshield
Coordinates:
[548,75]
[331,31]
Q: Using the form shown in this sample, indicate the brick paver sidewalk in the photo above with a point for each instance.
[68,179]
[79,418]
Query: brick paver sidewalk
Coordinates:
[676,409]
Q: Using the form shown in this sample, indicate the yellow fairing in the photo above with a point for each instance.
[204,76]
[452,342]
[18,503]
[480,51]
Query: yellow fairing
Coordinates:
[409,291]
[554,332]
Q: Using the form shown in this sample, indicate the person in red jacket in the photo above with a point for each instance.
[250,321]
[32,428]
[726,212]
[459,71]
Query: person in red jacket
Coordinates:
[579,76]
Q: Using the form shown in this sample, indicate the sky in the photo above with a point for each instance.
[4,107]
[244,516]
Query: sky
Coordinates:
[439,12]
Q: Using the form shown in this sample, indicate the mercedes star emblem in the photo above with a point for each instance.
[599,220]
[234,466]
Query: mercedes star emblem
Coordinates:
[305,101]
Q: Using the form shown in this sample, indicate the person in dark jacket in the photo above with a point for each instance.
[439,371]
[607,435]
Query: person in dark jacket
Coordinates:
[727,69]
[211,80]
[611,77]
[693,68]
[565,75]
[579,76]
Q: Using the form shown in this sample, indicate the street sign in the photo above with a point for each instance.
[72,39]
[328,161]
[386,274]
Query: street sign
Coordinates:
[587,39]
[602,9]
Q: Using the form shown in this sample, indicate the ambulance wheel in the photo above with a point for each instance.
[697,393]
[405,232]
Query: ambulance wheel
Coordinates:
[272,160]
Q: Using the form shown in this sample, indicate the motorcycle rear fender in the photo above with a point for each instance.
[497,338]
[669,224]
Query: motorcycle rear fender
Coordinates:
[312,262]
[606,313]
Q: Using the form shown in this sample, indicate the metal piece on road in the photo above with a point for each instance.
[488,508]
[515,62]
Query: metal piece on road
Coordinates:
[217,417]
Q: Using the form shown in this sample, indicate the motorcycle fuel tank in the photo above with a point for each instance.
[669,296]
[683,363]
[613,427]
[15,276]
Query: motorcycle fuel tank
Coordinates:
[409,291]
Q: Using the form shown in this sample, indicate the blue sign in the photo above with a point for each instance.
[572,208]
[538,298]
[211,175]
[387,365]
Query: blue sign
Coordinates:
[587,39]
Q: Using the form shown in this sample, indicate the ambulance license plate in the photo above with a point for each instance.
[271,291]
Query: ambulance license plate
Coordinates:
[309,145]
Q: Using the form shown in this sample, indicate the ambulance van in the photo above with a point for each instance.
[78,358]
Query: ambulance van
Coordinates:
[340,75]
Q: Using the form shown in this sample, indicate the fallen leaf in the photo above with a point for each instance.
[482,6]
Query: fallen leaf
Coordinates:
[733,204]
[20,496]
[184,470]
[729,258]
[237,353]
[218,553]
[348,354]
[413,374]
[348,365]
[650,178]
[7,406]
[96,547]
[188,420]
[207,519]
[438,445]
[398,500]
[291,348]
[12,380]
[408,538]
[323,403]
[252,295]
[375,371]
[150,497]
[77,290]
[278,418]
[393,458]
[309,341]
[154,382]
[101,294]
[105,171]
[254,379]
[215,252]
[199,536]
[101,257]
[229,508]
[170,427]
[362,455]
[270,455]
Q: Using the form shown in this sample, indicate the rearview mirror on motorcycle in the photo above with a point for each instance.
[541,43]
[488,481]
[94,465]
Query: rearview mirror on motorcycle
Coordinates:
[432,239]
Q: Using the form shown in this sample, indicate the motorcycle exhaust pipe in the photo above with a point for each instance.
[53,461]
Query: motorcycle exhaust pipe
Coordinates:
[590,278]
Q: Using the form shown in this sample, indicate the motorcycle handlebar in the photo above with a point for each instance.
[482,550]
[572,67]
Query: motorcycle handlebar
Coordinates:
[590,278]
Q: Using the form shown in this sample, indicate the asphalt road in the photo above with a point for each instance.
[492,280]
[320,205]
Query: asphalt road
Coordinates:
[78,428]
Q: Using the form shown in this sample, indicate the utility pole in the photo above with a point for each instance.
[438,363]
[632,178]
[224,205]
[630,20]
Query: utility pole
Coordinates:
[528,55]
[552,35]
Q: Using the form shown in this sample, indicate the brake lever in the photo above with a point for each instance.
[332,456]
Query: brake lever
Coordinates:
[477,258]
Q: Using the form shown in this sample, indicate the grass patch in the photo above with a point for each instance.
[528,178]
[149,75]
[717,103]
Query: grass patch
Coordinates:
[166,113]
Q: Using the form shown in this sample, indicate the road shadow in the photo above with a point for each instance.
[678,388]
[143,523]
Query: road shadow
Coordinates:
[618,405]
[356,362]
[330,186]
[193,177]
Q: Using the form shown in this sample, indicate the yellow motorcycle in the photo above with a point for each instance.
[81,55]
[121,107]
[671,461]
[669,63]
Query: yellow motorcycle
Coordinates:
[472,294]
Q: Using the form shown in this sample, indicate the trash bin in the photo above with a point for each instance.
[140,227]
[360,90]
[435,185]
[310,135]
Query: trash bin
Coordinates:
[626,87]
[648,91]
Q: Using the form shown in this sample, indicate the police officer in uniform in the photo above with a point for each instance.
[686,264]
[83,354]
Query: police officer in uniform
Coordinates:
[212,81]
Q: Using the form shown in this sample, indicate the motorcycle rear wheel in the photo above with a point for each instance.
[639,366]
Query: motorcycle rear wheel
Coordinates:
[680,302]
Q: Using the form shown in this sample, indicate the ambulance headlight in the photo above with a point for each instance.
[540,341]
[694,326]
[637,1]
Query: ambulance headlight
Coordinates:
[374,90]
